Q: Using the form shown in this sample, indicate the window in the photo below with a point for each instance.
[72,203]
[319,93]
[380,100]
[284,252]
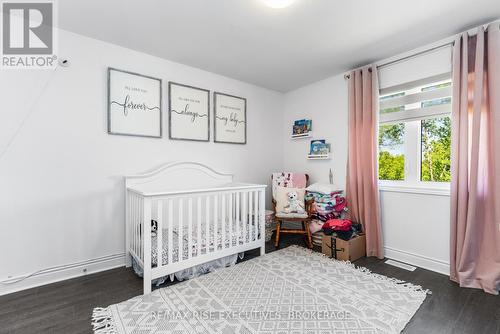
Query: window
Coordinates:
[435,151]
[415,133]
[391,152]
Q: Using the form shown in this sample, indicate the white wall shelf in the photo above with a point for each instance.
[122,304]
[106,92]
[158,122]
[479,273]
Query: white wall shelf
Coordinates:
[302,135]
[318,156]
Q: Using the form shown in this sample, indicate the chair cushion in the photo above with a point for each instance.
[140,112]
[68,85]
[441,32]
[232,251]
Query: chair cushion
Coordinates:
[290,202]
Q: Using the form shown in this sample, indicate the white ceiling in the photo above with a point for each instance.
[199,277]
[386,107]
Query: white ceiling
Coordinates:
[280,49]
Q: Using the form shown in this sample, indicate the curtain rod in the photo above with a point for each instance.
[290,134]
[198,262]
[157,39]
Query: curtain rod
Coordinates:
[414,55]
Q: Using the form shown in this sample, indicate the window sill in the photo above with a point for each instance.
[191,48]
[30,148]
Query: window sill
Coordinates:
[437,191]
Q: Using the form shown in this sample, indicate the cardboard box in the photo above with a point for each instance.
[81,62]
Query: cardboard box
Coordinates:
[350,250]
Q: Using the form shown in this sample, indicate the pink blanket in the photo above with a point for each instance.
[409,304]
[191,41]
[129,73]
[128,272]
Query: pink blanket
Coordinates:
[288,180]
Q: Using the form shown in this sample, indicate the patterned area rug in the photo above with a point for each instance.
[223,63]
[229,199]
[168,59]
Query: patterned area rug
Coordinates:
[293,290]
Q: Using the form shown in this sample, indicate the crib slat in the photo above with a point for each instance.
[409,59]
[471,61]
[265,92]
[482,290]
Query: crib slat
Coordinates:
[159,235]
[256,215]
[230,219]
[237,213]
[127,228]
[190,226]
[146,234]
[262,225]
[250,211]
[216,220]
[134,224]
[140,223]
[223,220]
[143,229]
[132,219]
[251,208]
[231,214]
[180,245]
[207,222]
[170,246]
[245,213]
[249,216]
[198,230]
[137,229]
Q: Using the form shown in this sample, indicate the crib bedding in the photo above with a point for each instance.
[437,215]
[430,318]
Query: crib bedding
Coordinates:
[194,271]
[213,239]
[202,268]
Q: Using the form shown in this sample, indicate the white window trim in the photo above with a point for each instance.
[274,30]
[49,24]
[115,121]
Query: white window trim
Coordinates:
[412,134]
[415,190]
[413,158]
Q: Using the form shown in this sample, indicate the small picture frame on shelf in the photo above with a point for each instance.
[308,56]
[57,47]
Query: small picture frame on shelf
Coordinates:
[301,127]
[319,147]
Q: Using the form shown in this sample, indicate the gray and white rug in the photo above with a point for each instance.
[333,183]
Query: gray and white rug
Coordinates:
[293,290]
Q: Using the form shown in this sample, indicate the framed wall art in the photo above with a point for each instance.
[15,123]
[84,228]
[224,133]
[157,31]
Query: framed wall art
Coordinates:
[230,121]
[134,104]
[188,112]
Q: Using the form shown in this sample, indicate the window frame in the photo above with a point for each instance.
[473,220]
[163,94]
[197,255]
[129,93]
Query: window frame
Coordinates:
[412,146]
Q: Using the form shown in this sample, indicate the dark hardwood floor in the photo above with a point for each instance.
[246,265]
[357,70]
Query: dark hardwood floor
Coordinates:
[65,307]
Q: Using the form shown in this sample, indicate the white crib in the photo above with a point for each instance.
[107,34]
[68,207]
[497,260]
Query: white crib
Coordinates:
[202,215]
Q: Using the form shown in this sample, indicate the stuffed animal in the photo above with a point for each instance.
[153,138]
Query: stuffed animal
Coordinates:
[154,228]
[294,205]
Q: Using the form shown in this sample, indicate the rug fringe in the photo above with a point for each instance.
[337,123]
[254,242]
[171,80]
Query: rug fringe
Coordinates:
[102,321]
[413,289]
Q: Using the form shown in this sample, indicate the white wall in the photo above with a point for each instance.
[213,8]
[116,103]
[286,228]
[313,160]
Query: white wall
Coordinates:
[416,229]
[61,179]
[325,102]
[415,226]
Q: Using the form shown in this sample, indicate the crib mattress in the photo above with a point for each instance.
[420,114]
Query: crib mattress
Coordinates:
[214,240]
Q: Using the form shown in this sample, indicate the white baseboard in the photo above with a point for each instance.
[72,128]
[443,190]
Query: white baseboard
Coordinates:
[421,261]
[61,273]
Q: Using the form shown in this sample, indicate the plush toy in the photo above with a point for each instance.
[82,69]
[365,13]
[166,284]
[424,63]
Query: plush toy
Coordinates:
[294,205]
[154,227]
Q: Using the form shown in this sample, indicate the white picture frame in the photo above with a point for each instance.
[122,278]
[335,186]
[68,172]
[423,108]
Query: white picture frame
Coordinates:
[188,112]
[230,119]
[134,104]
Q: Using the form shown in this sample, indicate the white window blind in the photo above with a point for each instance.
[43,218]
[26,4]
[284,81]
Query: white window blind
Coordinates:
[428,65]
[423,99]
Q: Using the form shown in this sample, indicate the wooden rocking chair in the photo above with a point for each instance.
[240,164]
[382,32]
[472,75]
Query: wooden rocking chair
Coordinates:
[305,221]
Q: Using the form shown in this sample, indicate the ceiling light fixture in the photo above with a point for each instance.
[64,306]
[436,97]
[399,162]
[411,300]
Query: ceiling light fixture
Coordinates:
[278,3]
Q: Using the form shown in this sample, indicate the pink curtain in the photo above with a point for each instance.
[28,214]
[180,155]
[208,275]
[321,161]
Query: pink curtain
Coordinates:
[362,178]
[475,185]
